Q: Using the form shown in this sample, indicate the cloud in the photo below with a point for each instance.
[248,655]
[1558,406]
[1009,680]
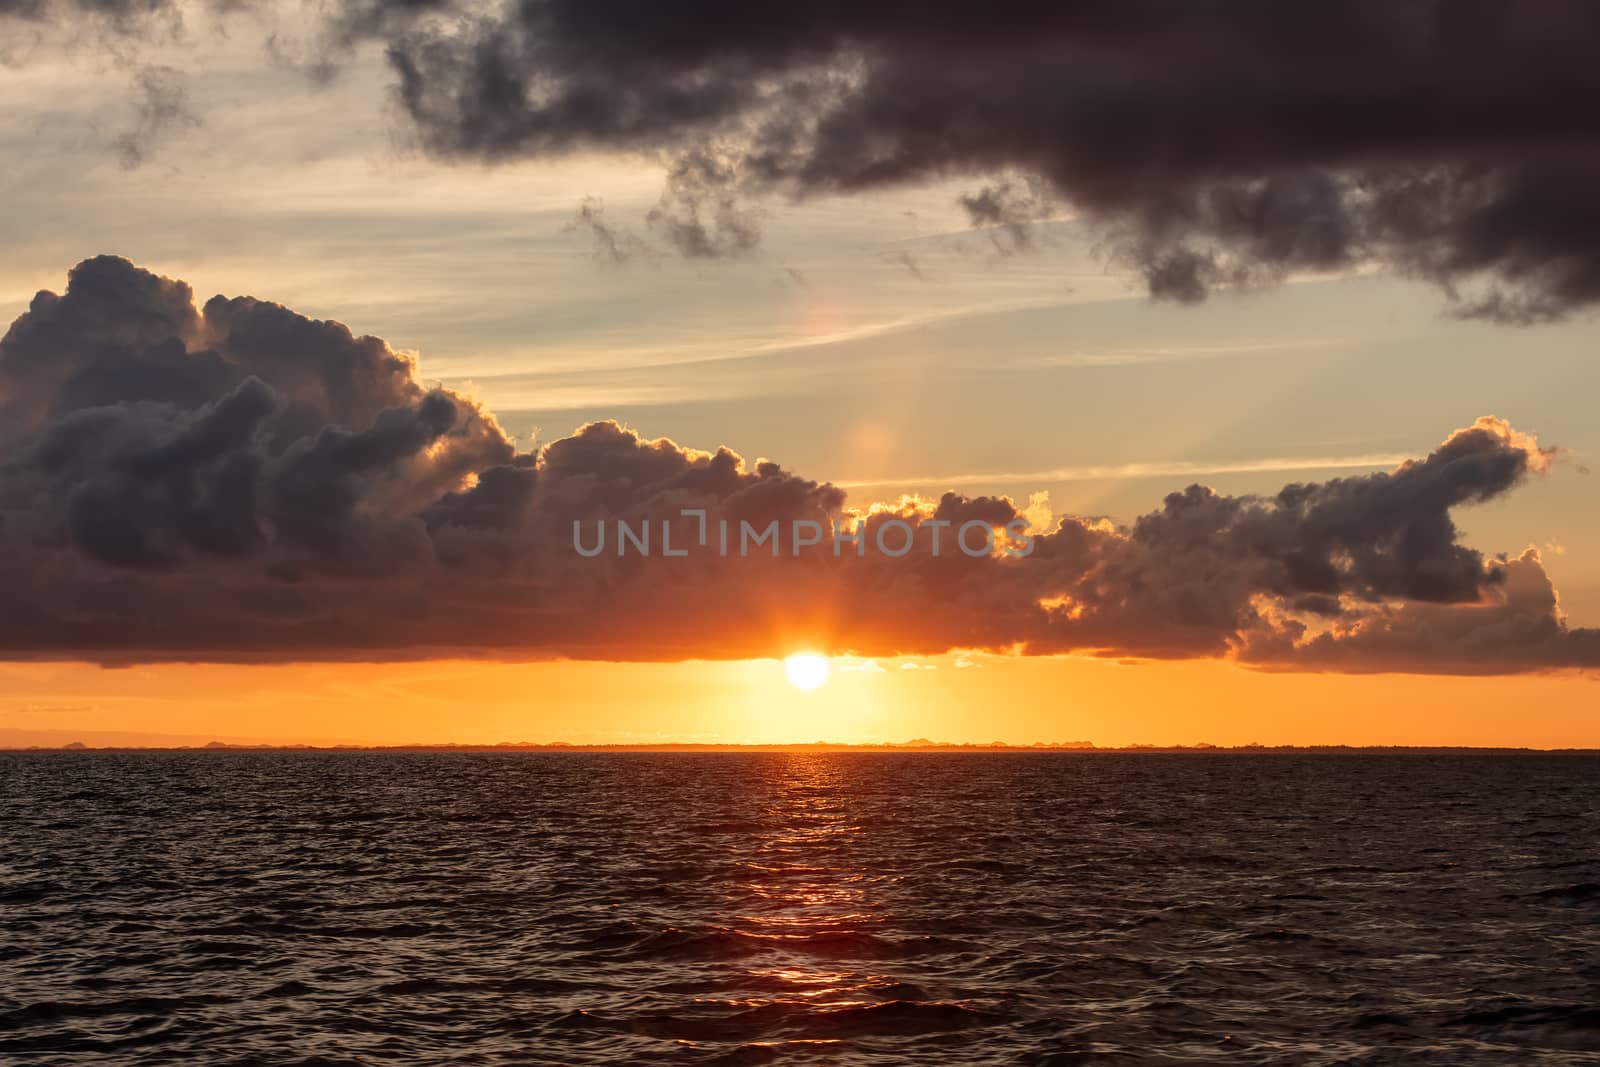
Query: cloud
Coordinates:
[609,245]
[907,262]
[119,28]
[144,434]
[700,214]
[1213,144]
[1205,145]
[1009,207]
[162,108]
[119,14]
[1519,627]
[234,481]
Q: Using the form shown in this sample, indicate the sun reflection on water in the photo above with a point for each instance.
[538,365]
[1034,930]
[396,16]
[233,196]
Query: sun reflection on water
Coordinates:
[803,897]
[811,950]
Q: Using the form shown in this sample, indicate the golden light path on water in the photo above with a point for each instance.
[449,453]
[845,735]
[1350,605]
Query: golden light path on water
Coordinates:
[805,904]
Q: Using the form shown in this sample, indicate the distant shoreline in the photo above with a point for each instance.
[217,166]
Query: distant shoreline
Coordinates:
[932,748]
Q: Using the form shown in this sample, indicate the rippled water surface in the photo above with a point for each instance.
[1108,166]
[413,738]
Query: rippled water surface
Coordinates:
[225,908]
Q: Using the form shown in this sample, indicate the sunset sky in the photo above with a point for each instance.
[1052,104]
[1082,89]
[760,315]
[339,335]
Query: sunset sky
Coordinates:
[229,521]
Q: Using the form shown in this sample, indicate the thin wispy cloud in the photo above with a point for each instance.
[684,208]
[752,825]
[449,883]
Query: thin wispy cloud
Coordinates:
[635,356]
[1128,471]
[1116,357]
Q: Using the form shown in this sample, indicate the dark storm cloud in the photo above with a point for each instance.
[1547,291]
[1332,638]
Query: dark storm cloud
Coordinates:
[1216,143]
[238,482]
[1211,143]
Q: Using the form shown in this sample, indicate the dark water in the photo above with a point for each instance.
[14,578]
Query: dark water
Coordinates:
[849,908]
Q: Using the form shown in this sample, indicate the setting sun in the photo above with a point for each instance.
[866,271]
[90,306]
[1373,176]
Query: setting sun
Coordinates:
[807,670]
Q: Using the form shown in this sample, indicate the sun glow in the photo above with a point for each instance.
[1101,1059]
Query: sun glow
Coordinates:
[807,670]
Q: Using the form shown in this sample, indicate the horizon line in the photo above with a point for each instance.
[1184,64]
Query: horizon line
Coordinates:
[918,745]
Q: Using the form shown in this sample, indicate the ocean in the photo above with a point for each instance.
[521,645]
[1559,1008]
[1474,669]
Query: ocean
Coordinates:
[224,908]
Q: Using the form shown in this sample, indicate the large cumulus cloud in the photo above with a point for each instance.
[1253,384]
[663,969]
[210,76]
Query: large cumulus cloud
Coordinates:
[1215,143]
[236,482]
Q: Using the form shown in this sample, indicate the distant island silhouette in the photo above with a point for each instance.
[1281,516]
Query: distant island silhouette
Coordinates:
[918,745]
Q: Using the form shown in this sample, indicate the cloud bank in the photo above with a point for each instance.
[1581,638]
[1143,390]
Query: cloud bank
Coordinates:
[234,481]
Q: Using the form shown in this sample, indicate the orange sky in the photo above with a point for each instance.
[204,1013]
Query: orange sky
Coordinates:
[1006,699]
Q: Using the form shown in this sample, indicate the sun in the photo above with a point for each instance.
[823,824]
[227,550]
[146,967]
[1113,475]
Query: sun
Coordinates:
[807,670]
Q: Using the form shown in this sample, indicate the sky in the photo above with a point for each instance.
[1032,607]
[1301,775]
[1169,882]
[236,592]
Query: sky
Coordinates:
[487,273]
